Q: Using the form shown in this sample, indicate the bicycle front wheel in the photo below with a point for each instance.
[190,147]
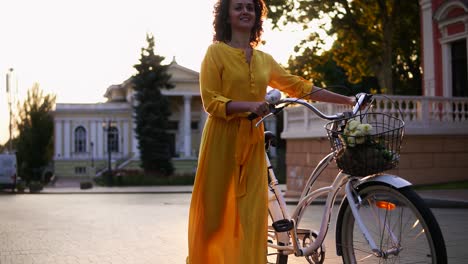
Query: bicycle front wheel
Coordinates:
[402,226]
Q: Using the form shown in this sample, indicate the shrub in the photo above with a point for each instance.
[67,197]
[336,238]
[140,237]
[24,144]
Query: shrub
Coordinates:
[35,187]
[139,178]
[86,185]
[20,186]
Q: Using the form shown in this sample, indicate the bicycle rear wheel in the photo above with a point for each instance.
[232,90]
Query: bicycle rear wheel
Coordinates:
[401,225]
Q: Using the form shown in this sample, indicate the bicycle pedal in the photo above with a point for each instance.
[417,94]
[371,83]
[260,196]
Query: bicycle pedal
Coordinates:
[283,225]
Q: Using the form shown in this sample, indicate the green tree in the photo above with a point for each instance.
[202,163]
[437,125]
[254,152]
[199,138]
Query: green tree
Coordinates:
[152,111]
[378,38]
[325,72]
[34,144]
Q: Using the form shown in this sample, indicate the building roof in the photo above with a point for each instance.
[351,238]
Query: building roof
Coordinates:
[185,81]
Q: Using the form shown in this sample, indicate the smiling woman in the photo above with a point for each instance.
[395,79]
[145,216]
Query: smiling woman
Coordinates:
[228,212]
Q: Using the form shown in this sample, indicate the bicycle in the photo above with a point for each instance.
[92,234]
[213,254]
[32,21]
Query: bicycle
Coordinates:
[380,219]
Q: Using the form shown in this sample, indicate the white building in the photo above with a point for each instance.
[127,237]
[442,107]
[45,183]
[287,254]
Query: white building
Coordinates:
[85,133]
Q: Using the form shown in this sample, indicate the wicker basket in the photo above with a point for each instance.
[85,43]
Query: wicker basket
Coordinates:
[375,152]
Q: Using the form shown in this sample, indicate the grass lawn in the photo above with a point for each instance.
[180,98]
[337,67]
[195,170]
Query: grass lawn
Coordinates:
[143,180]
[444,186]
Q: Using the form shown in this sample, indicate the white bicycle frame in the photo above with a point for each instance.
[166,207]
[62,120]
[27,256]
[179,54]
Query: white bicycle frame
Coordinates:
[278,210]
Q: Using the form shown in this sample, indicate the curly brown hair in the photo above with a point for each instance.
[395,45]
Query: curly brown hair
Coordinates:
[222,29]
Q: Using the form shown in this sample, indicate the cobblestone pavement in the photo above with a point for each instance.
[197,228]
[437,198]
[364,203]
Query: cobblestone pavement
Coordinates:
[94,228]
[132,228]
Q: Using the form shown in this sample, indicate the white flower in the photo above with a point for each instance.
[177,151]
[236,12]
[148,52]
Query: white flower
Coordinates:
[358,136]
[353,124]
[366,129]
[356,133]
[351,141]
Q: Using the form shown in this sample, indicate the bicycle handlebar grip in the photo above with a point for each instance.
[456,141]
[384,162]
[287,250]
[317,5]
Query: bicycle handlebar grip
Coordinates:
[252,116]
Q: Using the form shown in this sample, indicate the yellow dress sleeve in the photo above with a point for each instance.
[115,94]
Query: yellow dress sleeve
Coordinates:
[293,85]
[211,86]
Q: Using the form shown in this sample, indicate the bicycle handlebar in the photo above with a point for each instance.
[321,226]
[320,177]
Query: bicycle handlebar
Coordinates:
[362,100]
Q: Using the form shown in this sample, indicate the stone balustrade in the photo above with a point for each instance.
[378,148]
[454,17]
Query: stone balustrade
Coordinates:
[422,116]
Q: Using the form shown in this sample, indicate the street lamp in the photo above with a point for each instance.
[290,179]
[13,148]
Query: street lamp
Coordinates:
[9,92]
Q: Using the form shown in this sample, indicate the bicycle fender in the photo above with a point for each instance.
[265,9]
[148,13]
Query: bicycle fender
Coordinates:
[387,179]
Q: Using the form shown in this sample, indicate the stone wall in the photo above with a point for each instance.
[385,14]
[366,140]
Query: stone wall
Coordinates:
[424,160]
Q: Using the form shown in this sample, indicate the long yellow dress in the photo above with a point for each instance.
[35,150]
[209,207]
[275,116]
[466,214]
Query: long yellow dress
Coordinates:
[229,206]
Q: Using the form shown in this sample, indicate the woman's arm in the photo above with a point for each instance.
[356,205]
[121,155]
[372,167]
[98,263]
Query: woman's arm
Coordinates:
[322,95]
[261,108]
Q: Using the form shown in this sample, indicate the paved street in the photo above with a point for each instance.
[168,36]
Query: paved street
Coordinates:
[93,228]
[132,228]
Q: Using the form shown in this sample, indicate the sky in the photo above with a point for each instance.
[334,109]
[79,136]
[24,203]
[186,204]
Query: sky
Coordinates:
[75,49]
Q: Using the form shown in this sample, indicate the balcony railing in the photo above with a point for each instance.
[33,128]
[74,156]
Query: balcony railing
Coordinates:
[422,116]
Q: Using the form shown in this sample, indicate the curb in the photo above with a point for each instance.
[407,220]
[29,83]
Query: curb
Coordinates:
[430,202]
[114,192]
[438,203]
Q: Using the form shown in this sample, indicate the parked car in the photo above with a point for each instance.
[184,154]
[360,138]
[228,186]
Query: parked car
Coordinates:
[8,171]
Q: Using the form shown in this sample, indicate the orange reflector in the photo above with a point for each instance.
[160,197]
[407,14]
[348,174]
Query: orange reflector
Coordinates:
[385,205]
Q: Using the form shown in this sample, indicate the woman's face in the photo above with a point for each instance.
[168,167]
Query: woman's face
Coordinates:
[242,15]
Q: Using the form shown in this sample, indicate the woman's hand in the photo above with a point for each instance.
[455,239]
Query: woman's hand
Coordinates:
[259,108]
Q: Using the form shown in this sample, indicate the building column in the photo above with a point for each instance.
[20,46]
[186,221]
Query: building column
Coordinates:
[187,126]
[135,150]
[67,141]
[58,139]
[203,118]
[93,139]
[446,70]
[100,140]
[125,137]
[428,48]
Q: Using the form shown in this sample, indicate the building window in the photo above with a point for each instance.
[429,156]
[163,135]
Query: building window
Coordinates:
[459,69]
[113,139]
[80,170]
[80,139]
[194,125]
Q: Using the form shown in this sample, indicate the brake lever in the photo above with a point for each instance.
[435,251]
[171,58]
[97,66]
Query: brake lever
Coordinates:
[363,100]
[273,111]
[272,98]
[263,118]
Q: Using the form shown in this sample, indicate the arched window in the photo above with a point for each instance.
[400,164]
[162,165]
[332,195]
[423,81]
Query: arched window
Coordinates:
[113,139]
[80,139]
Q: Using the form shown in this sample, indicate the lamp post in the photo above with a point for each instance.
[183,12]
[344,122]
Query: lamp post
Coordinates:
[107,127]
[8,90]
